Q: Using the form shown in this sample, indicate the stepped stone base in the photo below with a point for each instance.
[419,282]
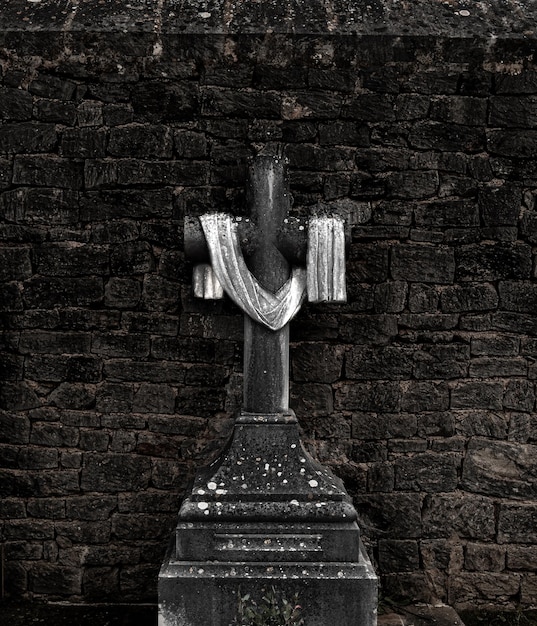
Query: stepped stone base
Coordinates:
[265,518]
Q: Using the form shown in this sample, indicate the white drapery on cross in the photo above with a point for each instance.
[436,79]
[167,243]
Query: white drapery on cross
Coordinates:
[323,279]
[273,310]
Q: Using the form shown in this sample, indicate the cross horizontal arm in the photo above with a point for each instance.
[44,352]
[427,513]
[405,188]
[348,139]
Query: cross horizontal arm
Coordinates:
[292,239]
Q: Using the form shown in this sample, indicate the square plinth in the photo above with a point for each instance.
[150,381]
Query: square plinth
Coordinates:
[206,593]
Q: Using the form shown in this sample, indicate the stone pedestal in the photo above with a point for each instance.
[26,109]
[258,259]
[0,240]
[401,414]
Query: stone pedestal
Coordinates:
[267,516]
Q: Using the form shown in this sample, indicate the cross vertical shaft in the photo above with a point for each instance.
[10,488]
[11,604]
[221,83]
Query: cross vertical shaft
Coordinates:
[266,352]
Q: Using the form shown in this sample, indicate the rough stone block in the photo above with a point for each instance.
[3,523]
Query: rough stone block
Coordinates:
[520,143]
[160,294]
[199,401]
[411,185]
[41,206]
[28,137]
[447,137]
[15,263]
[253,104]
[468,515]
[522,558]
[367,263]
[120,344]
[171,173]
[520,296]
[499,467]
[517,523]
[459,110]
[157,101]
[14,429]
[313,362]
[397,515]
[189,144]
[423,264]
[513,111]
[500,206]
[390,297]
[83,143]
[73,396]
[53,435]
[367,329]
[477,588]
[110,473]
[382,426]
[41,170]
[101,583]
[141,141]
[17,396]
[151,398]
[52,579]
[370,396]
[440,424]
[519,395]
[425,396]
[15,104]
[90,113]
[414,473]
[390,362]
[477,395]
[468,297]
[489,367]
[423,298]
[122,293]
[133,257]
[193,350]
[55,111]
[315,104]
[58,483]
[398,555]
[370,108]
[44,292]
[441,361]
[343,133]
[495,345]
[484,558]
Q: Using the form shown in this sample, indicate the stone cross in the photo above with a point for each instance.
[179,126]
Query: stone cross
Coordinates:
[270,289]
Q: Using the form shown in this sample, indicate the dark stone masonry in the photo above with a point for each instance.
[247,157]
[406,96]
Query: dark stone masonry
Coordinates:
[418,124]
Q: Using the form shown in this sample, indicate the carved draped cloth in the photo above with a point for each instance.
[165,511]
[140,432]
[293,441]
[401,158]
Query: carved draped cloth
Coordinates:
[324,278]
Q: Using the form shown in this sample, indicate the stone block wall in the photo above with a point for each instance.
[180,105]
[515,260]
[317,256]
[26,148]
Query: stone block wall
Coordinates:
[117,384]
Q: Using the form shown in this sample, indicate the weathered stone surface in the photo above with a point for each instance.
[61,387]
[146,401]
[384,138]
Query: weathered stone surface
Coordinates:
[497,467]
[365,426]
[516,523]
[479,588]
[467,297]
[383,363]
[398,556]
[414,473]
[491,262]
[114,472]
[478,394]
[484,557]
[423,264]
[369,396]
[316,363]
[468,515]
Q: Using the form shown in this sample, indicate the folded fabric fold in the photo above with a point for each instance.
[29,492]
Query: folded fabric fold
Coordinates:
[273,310]
[206,284]
[325,261]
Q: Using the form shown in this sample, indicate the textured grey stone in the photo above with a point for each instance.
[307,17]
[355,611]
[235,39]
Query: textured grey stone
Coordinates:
[497,467]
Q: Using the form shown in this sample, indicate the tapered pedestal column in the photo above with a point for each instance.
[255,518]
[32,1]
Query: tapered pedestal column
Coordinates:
[267,516]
